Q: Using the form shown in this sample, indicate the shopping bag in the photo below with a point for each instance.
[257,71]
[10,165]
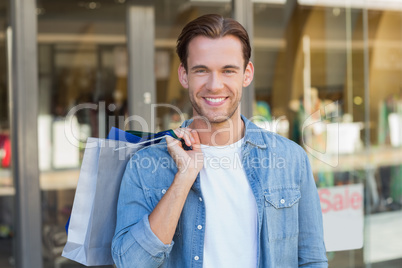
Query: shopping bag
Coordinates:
[132,136]
[92,222]
[93,217]
[121,135]
[118,135]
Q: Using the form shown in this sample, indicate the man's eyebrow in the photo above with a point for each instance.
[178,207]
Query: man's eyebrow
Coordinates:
[198,67]
[231,67]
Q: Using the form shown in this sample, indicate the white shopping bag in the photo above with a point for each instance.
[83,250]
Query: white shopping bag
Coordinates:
[93,217]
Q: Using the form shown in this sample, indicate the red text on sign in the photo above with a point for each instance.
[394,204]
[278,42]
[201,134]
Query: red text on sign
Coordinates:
[339,201]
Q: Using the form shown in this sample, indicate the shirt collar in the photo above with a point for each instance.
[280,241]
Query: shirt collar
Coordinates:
[253,133]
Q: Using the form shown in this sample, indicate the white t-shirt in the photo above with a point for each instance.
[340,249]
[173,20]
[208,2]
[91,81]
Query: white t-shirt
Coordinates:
[231,210]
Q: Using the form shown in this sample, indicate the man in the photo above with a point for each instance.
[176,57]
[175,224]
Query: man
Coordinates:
[240,197]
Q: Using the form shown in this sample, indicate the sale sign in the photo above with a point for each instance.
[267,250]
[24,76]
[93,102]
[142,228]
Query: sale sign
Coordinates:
[342,212]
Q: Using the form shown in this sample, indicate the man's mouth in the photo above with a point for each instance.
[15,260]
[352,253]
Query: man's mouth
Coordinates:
[215,100]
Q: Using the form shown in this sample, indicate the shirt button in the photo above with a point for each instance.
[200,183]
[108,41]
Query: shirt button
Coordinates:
[196,258]
[199,227]
[200,199]
[163,191]
[282,201]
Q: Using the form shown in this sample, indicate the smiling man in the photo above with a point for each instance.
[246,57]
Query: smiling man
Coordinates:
[240,197]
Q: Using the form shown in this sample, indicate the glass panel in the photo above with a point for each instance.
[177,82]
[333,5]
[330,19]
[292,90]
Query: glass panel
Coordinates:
[310,62]
[6,181]
[171,16]
[385,107]
[304,57]
[82,81]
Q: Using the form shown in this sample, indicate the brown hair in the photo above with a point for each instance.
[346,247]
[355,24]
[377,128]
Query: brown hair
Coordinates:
[212,26]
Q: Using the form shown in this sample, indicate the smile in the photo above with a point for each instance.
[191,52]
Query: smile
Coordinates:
[215,100]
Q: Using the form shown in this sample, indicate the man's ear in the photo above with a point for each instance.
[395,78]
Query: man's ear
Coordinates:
[248,74]
[183,78]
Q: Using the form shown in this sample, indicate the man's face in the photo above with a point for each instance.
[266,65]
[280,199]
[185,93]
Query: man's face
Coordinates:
[215,77]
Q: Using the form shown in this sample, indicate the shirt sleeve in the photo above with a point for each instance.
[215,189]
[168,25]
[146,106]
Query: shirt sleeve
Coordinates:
[134,244]
[311,245]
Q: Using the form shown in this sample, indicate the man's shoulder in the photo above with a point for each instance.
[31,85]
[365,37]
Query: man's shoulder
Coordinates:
[272,140]
[281,141]
[151,157]
[153,166]
[154,150]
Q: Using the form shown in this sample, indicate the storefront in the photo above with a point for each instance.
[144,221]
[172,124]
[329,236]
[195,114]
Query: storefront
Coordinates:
[328,76]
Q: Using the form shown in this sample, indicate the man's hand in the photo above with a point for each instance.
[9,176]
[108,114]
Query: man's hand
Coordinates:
[188,162]
[165,216]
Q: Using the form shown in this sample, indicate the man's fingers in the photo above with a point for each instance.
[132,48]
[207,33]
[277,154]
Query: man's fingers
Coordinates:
[177,131]
[185,134]
[194,135]
[190,137]
[197,142]
[171,142]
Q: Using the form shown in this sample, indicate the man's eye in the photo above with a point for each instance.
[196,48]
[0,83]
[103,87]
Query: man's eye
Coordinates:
[200,71]
[229,71]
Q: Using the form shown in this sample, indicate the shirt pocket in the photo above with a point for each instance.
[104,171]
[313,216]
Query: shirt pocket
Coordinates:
[154,195]
[281,212]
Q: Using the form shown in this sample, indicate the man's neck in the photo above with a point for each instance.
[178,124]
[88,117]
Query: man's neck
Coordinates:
[219,134]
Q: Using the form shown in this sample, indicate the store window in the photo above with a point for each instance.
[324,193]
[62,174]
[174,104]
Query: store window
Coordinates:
[82,57]
[327,76]
[311,86]
[385,113]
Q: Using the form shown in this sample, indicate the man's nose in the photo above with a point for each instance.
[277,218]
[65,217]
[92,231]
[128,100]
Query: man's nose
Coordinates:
[214,82]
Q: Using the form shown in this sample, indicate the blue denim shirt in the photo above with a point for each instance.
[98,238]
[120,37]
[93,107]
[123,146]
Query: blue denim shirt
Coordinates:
[290,231]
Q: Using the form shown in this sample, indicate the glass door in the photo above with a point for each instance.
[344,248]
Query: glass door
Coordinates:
[83,79]
[384,44]
[328,76]
[309,69]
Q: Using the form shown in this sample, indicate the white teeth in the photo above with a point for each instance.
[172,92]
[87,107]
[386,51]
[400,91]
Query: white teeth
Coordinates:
[215,100]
